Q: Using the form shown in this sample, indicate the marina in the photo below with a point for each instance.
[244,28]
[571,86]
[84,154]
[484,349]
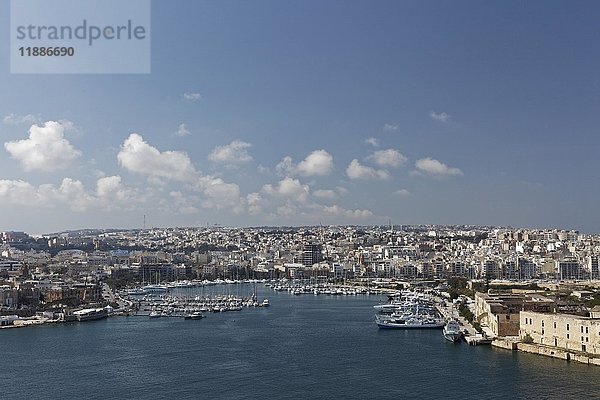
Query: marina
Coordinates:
[408,310]
[300,346]
[417,310]
[195,300]
[172,306]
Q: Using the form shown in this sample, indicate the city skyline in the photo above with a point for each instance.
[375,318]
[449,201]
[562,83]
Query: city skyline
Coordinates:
[268,113]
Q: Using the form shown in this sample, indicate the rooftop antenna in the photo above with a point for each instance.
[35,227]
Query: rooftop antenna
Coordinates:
[144,221]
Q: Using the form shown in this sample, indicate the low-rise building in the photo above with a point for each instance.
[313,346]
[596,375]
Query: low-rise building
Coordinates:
[9,296]
[500,312]
[564,331]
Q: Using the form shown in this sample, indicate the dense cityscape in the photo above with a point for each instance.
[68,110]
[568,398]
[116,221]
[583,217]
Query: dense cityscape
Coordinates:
[508,283]
[336,252]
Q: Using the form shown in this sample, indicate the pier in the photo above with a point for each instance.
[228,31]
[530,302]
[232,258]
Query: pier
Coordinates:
[473,338]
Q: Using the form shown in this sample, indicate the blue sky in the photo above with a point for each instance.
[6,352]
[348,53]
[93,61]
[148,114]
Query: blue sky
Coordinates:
[333,112]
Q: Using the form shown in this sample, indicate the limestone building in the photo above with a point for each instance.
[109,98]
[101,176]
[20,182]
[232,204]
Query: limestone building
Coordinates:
[500,312]
[563,331]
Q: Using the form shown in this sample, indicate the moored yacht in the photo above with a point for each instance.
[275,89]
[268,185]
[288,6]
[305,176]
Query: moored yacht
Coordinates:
[409,322]
[155,289]
[194,315]
[90,314]
[452,331]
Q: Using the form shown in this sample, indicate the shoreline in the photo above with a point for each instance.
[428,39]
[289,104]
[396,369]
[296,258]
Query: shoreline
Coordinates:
[513,344]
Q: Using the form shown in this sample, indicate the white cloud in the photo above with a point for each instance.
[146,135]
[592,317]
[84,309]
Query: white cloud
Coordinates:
[192,96]
[110,191]
[292,188]
[20,192]
[435,168]
[70,192]
[46,148]
[356,170]
[14,119]
[233,153]
[286,167]
[67,125]
[289,188]
[325,193]
[261,169]
[402,193]
[220,194]
[73,193]
[182,130]
[388,158]
[442,117]
[330,194]
[390,127]
[138,156]
[341,190]
[290,200]
[353,214]
[108,186]
[182,204]
[372,141]
[254,201]
[287,210]
[317,163]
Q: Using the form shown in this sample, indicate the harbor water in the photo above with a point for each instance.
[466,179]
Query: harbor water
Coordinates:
[317,347]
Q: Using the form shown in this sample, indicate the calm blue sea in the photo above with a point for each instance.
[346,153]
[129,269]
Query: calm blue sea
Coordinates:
[316,347]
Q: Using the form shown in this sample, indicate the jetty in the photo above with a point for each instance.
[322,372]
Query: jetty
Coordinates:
[470,335]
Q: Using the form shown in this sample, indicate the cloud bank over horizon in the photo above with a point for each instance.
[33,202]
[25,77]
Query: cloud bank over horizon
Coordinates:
[169,181]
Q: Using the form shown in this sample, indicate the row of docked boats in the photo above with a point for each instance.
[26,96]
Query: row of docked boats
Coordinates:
[409,310]
[164,288]
[173,306]
[415,310]
[328,290]
[190,314]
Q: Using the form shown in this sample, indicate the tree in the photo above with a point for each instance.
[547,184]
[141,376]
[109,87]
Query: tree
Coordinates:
[527,339]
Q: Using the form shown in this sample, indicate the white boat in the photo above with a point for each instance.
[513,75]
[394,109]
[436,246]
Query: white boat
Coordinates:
[194,315]
[135,292]
[155,288]
[452,331]
[409,322]
[154,314]
[90,314]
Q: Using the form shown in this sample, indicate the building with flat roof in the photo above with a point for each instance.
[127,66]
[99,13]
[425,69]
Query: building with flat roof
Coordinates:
[500,312]
[312,254]
[563,331]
